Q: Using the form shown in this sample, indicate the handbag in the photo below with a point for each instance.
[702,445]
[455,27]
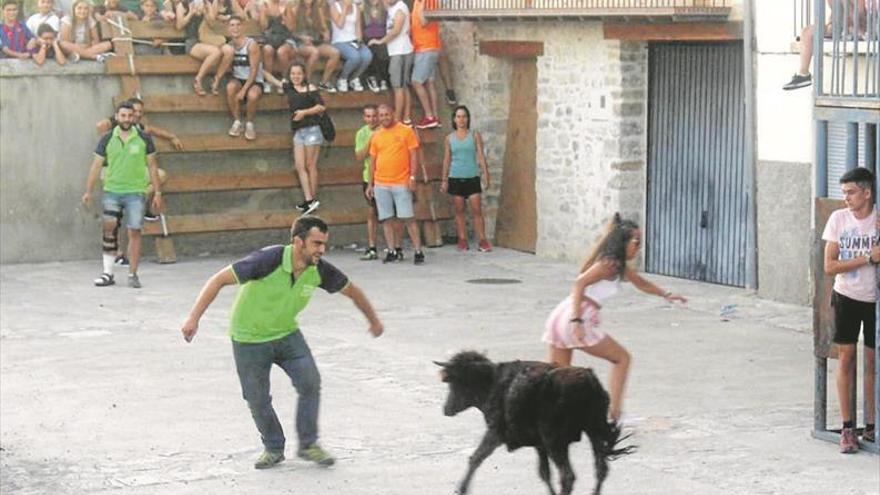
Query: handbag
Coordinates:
[328,130]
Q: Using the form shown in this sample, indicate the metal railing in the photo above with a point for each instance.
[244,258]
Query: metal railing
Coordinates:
[852,29]
[585,8]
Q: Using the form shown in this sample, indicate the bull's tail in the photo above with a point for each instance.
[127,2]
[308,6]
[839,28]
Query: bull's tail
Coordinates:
[611,440]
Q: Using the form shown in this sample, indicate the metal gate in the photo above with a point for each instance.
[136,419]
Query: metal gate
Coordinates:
[697,209]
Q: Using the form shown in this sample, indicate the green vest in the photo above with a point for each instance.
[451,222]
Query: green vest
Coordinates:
[265,309]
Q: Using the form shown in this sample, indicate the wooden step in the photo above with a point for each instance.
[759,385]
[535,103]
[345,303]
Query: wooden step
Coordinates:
[146,65]
[146,30]
[274,179]
[277,219]
[174,103]
[223,142]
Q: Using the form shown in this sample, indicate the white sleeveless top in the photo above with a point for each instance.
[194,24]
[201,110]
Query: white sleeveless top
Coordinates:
[348,31]
[603,289]
[400,45]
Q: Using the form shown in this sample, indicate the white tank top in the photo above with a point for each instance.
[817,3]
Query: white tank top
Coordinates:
[603,289]
[241,62]
[401,45]
[348,31]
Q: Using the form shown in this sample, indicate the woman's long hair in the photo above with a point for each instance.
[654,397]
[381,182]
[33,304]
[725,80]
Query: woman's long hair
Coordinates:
[365,11]
[74,21]
[612,244]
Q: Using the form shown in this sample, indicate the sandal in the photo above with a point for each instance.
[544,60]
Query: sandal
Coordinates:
[197,86]
[104,280]
[215,86]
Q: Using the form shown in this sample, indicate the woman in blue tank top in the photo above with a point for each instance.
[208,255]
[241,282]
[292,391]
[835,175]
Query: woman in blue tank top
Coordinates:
[461,176]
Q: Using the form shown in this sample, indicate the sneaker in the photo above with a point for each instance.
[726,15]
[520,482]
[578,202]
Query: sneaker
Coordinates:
[798,81]
[327,87]
[869,435]
[267,88]
[390,256]
[249,132]
[485,246]
[104,56]
[342,85]
[302,206]
[373,84]
[399,254]
[370,254]
[407,122]
[316,454]
[279,90]
[150,216]
[235,130]
[428,123]
[121,260]
[268,459]
[451,100]
[104,280]
[848,442]
[133,281]
[419,258]
[355,85]
[463,245]
[383,85]
[311,206]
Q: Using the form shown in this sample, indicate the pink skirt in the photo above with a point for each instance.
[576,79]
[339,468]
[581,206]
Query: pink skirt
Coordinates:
[558,330]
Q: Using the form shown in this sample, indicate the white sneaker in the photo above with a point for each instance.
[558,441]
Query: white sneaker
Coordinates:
[249,132]
[383,86]
[356,84]
[267,88]
[73,58]
[235,130]
[342,85]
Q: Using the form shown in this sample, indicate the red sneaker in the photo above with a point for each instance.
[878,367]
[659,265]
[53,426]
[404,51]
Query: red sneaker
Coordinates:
[462,245]
[426,123]
[485,246]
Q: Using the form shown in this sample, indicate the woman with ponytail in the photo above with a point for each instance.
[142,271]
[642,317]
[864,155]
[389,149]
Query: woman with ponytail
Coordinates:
[575,323]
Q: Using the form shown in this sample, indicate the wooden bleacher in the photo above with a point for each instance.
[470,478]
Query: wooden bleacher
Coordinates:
[130,66]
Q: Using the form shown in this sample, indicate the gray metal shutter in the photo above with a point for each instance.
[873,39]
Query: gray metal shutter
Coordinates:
[837,155]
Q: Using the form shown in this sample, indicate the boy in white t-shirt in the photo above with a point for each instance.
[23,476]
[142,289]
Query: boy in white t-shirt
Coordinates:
[45,15]
[851,251]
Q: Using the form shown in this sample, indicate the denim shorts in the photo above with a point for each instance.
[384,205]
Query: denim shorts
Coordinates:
[424,65]
[308,136]
[132,205]
[393,201]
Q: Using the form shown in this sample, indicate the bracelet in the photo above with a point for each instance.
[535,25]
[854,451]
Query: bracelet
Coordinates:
[576,320]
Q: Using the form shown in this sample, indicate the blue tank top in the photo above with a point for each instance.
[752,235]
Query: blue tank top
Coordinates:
[464,156]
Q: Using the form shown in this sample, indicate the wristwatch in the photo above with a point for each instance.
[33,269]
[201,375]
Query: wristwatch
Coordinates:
[868,259]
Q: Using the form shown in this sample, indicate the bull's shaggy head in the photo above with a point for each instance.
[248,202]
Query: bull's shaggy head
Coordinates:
[470,376]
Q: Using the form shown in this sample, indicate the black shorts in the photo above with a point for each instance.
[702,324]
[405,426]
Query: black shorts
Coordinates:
[370,201]
[849,316]
[464,187]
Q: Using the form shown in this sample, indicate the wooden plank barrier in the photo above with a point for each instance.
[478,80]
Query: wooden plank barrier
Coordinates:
[175,103]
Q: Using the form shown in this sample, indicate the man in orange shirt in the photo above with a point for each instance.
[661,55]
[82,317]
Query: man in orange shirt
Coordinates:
[426,42]
[393,162]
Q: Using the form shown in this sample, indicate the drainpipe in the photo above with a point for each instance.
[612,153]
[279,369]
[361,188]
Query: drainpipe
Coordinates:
[750,141]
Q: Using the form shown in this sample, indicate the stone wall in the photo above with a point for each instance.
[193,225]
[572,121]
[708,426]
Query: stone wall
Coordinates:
[591,124]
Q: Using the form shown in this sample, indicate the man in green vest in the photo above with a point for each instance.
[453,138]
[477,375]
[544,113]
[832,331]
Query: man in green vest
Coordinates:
[130,154]
[277,283]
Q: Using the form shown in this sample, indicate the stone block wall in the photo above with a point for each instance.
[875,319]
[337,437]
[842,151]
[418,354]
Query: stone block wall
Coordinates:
[591,123]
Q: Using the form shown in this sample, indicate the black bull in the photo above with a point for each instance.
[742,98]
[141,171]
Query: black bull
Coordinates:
[533,404]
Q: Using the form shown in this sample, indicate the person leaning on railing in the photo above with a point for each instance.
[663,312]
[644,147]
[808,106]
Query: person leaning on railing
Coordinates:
[79,35]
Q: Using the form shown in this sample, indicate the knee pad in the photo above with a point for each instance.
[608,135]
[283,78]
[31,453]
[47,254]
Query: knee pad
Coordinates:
[111,243]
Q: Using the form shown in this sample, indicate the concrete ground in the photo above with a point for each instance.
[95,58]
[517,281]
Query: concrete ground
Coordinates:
[100,394]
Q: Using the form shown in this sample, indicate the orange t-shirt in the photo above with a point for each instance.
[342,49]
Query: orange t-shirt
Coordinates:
[424,38]
[390,147]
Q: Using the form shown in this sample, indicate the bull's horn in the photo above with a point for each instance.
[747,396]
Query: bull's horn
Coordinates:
[440,363]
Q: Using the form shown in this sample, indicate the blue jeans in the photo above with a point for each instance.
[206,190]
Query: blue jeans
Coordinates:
[132,204]
[254,362]
[357,58]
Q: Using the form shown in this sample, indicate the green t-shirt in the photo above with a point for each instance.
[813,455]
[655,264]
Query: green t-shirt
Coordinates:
[270,299]
[126,160]
[361,140]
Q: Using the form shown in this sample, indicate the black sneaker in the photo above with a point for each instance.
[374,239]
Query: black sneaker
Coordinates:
[302,206]
[150,216]
[370,254]
[399,253]
[798,81]
[121,260]
[311,206]
[327,87]
[419,258]
[451,100]
[390,256]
